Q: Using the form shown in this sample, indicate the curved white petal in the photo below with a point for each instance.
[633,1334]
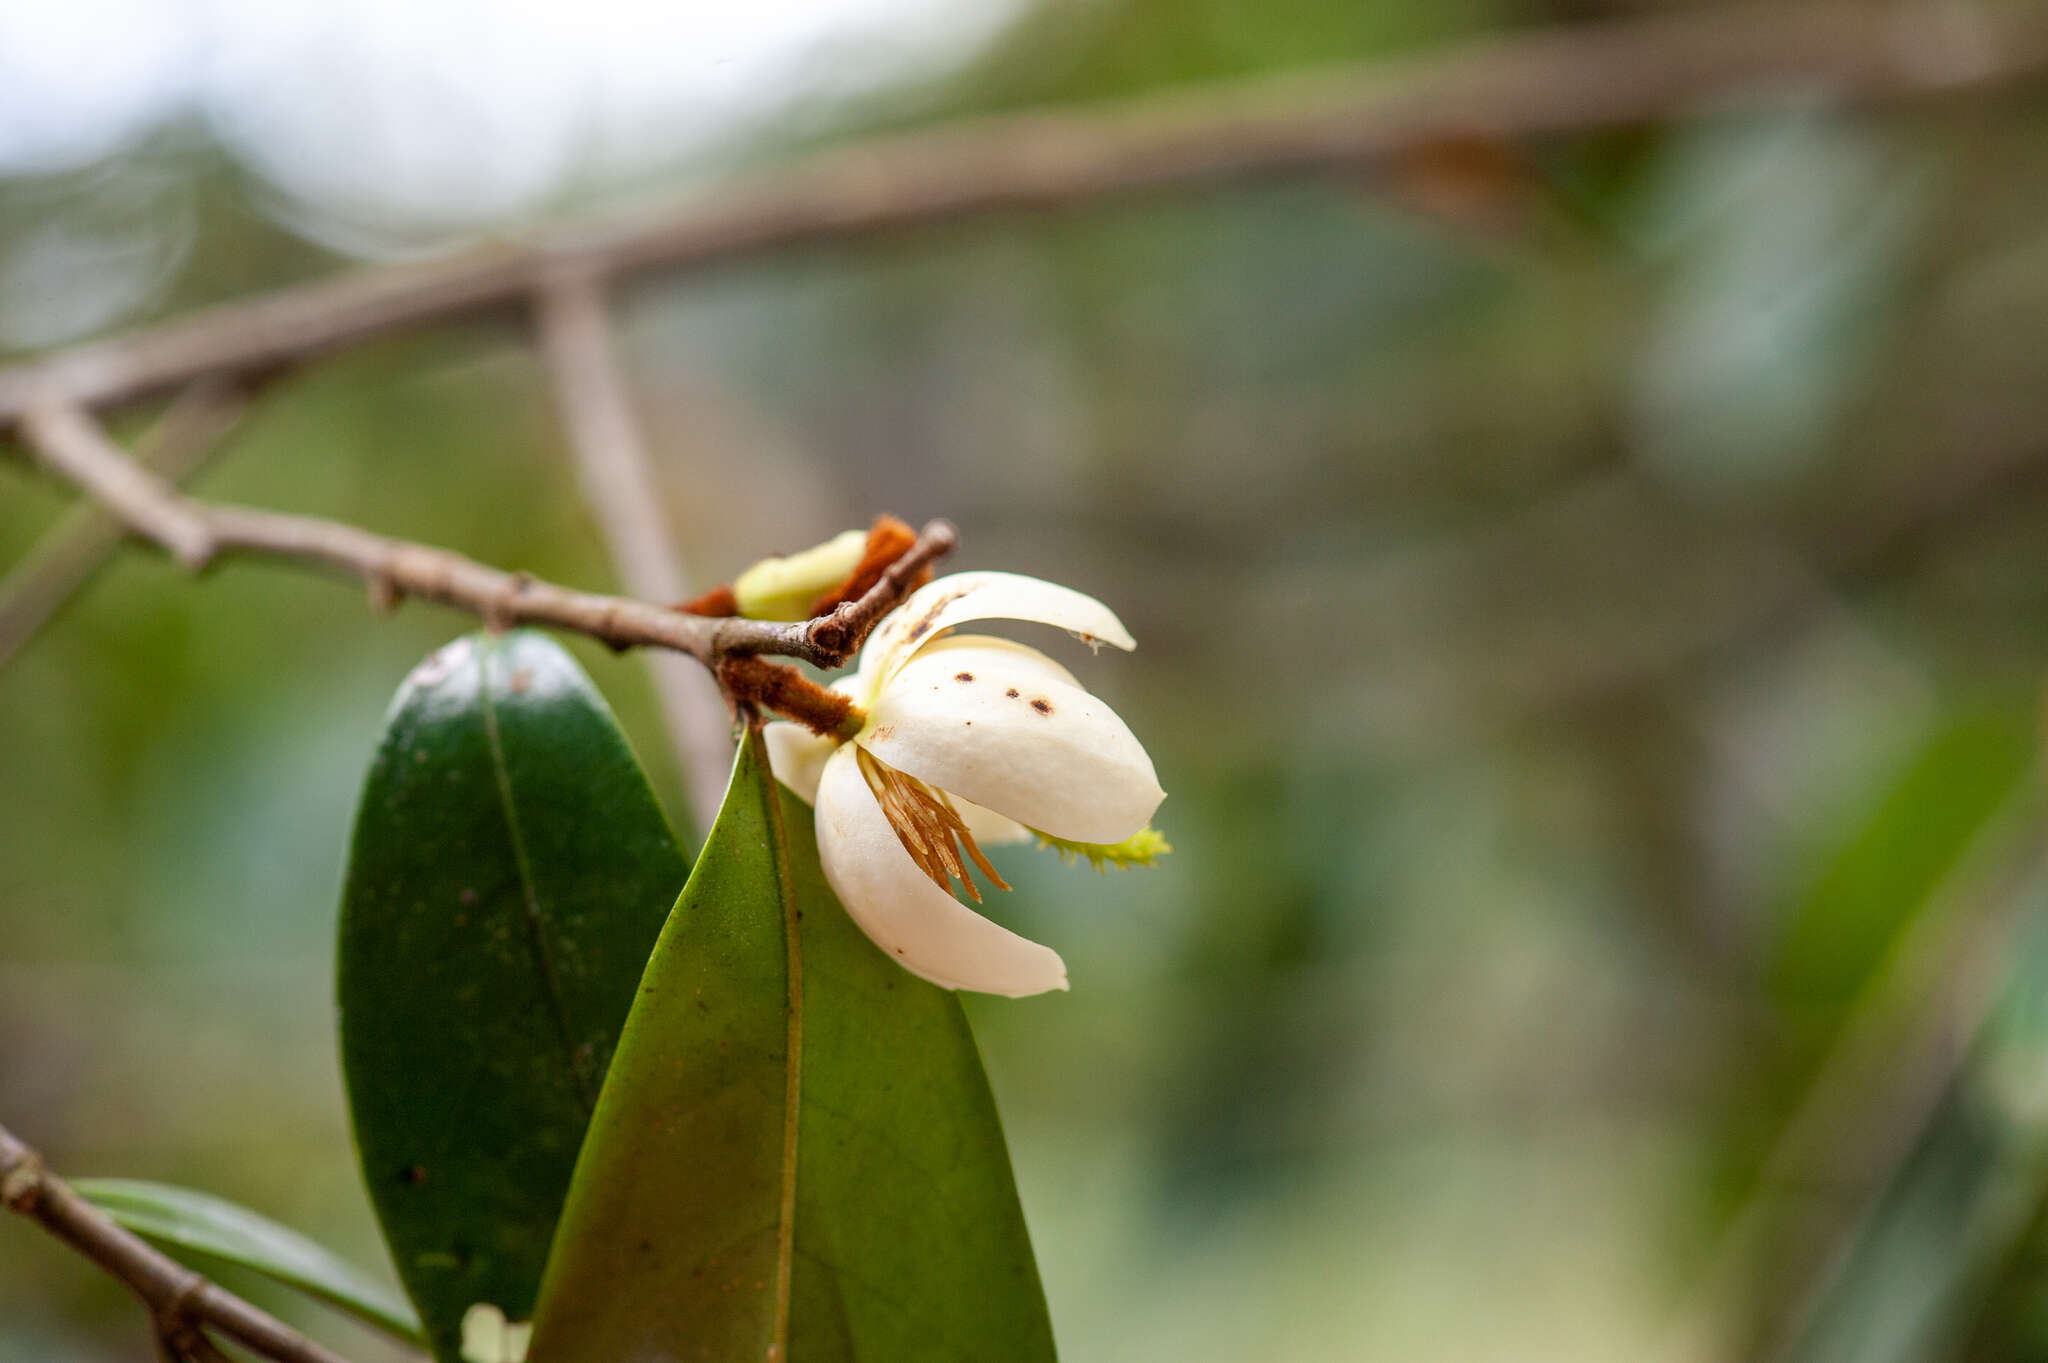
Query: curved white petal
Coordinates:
[797,757]
[921,927]
[961,597]
[1021,660]
[989,828]
[991,726]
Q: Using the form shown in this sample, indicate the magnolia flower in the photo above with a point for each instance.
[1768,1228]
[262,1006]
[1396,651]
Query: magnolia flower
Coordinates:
[968,739]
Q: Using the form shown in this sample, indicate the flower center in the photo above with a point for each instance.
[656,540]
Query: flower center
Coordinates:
[927,825]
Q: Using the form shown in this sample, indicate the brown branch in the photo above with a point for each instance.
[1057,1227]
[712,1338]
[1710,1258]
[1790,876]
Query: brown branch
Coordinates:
[618,482]
[1543,83]
[847,627]
[180,1301]
[71,444]
[888,540]
[65,560]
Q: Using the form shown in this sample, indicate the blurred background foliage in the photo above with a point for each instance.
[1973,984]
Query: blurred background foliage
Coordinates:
[1592,614]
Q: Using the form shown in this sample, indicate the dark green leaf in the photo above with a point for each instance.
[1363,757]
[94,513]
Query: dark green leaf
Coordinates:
[796,1155]
[510,872]
[188,1223]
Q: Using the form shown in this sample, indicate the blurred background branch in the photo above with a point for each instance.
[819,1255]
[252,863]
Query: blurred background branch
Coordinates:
[1577,79]
[619,482]
[176,447]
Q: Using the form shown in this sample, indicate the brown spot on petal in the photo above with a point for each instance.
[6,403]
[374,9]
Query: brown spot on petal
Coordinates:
[1011,693]
[963,676]
[1042,705]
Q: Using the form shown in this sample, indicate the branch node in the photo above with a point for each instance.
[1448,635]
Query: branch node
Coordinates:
[501,611]
[176,1318]
[888,540]
[385,595]
[22,1184]
[838,636]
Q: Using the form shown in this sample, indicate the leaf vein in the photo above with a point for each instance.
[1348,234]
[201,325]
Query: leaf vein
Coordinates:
[501,775]
[785,1249]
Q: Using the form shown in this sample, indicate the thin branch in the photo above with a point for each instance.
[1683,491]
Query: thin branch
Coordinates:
[66,559]
[69,443]
[612,457]
[180,1301]
[1618,73]
[619,483]
[847,627]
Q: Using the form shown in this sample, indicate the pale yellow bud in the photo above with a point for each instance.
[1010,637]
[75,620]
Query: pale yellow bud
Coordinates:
[784,588]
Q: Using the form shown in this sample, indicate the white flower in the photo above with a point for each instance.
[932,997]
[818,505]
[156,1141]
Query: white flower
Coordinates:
[967,739]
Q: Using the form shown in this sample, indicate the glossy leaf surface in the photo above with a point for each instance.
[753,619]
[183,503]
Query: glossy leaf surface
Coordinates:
[510,873]
[186,1223]
[796,1156]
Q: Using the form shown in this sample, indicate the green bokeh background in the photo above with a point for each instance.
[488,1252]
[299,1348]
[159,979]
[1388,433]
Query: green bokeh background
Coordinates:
[1592,613]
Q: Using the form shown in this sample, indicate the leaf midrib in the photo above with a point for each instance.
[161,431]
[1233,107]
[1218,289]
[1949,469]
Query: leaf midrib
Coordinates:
[536,931]
[785,1236]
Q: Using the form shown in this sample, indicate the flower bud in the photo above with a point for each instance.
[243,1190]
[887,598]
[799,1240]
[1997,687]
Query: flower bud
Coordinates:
[783,588]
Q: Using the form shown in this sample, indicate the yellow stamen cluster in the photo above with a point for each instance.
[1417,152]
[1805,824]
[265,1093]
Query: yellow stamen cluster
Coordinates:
[927,825]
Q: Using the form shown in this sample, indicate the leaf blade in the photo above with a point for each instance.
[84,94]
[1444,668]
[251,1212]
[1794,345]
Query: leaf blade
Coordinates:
[184,1219]
[902,1236]
[509,873]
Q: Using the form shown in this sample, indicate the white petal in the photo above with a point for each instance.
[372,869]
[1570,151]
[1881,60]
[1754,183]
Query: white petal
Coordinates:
[1021,660]
[797,757]
[919,925]
[989,828]
[961,597]
[989,726]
